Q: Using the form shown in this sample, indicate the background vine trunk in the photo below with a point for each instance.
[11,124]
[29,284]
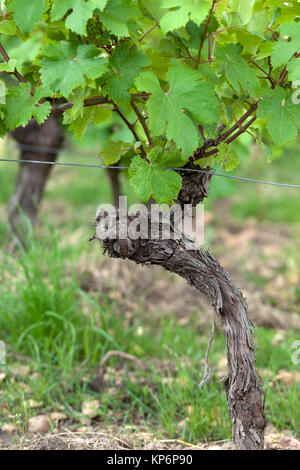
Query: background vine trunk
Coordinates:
[36,142]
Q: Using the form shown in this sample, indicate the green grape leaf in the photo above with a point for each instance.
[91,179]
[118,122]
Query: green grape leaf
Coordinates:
[28,17]
[249,41]
[124,66]
[289,11]
[159,63]
[246,11]
[152,180]
[223,6]
[8,27]
[238,73]
[265,149]
[65,67]
[111,152]
[205,162]
[172,110]
[21,106]
[94,114]
[82,11]
[265,50]
[170,158]
[116,15]
[259,21]
[293,68]
[155,8]
[284,50]
[227,156]
[8,66]
[282,115]
[183,11]
[3,128]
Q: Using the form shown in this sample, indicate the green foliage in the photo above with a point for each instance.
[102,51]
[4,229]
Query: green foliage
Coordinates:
[241,77]
[111,152]
[21,106]
[227,156]
[117,15]
[8,66]
[173,70]
[151,179]
[123,67]
[27,21]
[182,11]
[94,114]
[174,109]
[285,49]
[81,12]
[66,66]
[283,117]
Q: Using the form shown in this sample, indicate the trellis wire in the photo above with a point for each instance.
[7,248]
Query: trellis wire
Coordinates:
[240,178]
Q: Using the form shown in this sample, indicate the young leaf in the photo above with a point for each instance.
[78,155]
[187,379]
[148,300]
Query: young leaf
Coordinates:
[265,149]
[111,152]
[205,162]
[66,67]
[246,11]
[8,27]
[227,156]
[223,6]
[151,179]
[182,11]
[8,66]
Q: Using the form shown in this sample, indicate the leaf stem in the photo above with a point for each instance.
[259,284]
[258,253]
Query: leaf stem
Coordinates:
[273,34]
[130,126]
[214,3]
[15,72]
[268,74]
[145,35]
[142,121]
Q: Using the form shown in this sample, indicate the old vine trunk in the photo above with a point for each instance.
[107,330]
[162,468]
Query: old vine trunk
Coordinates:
[201,270]
[36,142]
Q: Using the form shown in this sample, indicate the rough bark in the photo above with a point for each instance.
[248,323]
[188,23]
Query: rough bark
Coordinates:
[31,179]
[201,270]
[195,186]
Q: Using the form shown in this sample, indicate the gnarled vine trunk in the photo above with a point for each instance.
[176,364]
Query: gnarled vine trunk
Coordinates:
[36,142]
[201,270]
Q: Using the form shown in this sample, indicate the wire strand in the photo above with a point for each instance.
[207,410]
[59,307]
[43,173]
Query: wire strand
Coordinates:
[239,178]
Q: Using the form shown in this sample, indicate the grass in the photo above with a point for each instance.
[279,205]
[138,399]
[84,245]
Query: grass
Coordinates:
[61,332]
[43,318]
